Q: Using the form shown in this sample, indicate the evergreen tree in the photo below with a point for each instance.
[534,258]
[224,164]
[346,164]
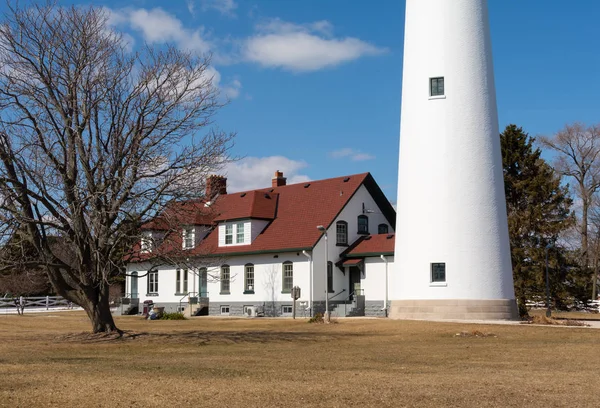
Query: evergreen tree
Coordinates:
[538,208]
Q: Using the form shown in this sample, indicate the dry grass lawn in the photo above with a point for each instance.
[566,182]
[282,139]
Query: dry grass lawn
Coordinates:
[45,360]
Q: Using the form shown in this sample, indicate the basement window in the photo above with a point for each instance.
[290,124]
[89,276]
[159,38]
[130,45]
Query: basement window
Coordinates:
[436,86]
[438,272]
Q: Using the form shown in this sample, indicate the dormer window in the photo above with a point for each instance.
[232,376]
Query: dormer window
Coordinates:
[188,238]
[146,242]
[234,233]
[239,236]
[228,234]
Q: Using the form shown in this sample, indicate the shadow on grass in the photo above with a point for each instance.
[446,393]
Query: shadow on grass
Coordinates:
[204,337]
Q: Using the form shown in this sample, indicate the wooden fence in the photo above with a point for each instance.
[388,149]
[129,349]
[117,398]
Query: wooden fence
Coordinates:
[37,302]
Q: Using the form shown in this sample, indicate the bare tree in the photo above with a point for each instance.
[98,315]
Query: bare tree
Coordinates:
[578,157]
[94,141]
[271,284]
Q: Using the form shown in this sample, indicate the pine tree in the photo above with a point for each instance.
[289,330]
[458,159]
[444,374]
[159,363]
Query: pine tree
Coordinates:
[538,208]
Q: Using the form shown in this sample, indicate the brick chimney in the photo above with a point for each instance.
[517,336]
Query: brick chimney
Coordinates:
[215,185]
[278,180]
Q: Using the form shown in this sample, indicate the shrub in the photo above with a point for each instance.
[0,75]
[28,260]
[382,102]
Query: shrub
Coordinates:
[318,318]
[173,316]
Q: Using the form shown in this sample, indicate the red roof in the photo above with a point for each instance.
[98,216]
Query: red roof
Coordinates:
[294,211]
[252,204]
[372,245]
[351,262]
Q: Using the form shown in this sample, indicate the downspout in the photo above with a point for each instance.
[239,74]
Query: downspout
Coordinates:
[386,284]
[310,290]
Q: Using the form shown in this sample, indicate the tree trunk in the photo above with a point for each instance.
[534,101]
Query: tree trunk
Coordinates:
[97,308]
[585,204]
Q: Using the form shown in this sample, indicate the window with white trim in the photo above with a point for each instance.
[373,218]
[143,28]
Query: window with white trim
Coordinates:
[287,309]
[146,242]
[239,233]
[228,234]
[188,237]
[225,309]
[153,282]
[181,281]
[225,279]
[249,278]
[288,277]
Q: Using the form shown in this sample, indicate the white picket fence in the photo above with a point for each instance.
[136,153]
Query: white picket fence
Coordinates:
[33,303]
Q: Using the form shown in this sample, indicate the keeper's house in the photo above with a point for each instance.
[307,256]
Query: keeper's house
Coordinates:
[241,253]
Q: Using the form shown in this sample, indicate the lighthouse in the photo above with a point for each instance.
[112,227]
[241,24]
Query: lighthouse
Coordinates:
[452,255]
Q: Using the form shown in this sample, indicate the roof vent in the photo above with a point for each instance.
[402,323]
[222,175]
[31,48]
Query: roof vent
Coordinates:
[390,236]
[267,195]
[368,237]
[271,190]
[306,185]
[346,179]
[243,195]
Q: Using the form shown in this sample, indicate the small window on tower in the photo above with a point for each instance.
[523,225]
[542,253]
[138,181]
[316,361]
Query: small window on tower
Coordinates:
[436,86]
[438,272]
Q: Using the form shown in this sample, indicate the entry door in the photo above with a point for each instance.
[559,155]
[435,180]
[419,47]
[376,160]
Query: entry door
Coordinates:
[203,283]
[354,275]
[134,286]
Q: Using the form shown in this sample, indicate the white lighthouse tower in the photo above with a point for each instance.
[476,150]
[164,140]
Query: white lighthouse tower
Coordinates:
[452,255]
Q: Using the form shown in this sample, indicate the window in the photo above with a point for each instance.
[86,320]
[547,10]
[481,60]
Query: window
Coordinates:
[363,224]
[146,242]
[228,234]
[330,277]
[249,278]
[181,281]
[225,276]
[438,272]
[153,282]
[239,236]
[382,229]
[225,309]
[341,233]
[436,86]
[188,238]
[288,277]
[287,309]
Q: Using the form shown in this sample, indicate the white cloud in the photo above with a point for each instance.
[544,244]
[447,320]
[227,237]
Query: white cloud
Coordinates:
[233,89]
[158,26]
[256,172]
[303,47]
[225,7]
[354,155]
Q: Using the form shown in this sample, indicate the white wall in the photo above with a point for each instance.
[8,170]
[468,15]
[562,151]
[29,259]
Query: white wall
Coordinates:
[264,266]
[373,278]
[350,214]
[451,205]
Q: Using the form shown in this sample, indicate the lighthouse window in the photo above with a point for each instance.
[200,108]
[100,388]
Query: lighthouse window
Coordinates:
[438,272]
[436,86]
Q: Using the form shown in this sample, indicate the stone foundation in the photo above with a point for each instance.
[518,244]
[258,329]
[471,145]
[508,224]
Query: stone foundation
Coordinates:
[455,309]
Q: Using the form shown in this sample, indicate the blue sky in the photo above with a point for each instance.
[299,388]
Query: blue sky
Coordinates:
[315,85]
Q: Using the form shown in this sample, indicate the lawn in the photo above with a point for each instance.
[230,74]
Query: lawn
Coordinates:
[48,360]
